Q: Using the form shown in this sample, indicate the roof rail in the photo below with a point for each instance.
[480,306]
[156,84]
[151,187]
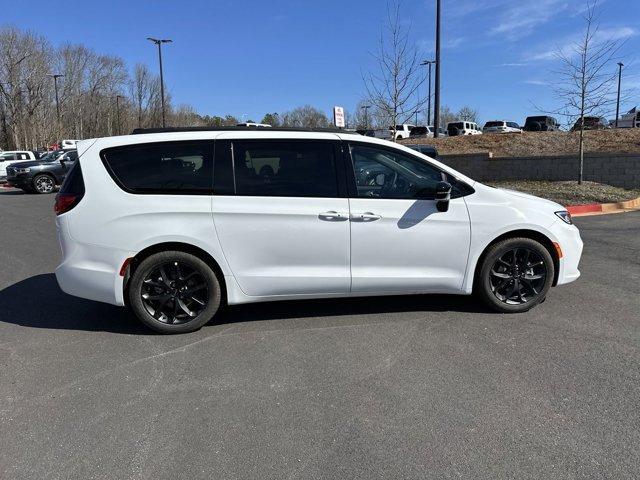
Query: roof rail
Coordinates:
[137,131]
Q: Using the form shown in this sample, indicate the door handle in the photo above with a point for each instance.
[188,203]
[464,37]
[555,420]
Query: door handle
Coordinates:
[332,216]
[365,217]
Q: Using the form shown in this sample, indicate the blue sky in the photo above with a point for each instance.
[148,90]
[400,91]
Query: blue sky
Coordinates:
[255,56]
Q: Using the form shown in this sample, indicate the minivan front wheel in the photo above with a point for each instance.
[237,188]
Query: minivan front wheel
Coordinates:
[174,292]
[516,275]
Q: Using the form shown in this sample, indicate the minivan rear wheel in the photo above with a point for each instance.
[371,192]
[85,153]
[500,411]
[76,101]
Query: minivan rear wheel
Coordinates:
[515,275]
[174,292]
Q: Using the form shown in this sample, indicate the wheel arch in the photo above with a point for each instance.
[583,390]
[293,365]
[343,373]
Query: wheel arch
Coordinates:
[521,233]
[177,246]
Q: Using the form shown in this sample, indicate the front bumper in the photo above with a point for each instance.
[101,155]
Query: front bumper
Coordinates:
[18,182]
[568,236]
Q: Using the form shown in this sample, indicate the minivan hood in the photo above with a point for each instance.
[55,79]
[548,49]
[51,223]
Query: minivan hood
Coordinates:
[542,201]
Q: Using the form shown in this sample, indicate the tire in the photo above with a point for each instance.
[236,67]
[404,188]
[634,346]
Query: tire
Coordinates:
[513,287]
[44,184]
[536,127]
[159,292]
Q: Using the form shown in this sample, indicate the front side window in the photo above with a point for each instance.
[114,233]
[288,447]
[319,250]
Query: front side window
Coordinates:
[167,167]
[385,173]
[285,168]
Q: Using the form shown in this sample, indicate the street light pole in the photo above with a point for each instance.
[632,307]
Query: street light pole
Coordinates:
[55,77]
[620,65]
[366,116]
[436,113]
[429,63]
[159,42]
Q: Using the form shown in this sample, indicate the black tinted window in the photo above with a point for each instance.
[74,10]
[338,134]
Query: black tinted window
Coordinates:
[285,169]
[169,167]
[383,173]
[73,182]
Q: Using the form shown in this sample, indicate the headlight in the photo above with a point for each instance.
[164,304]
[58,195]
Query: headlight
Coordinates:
[23,170]
[565,216]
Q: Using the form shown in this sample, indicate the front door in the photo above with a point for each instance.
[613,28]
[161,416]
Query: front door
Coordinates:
[400,243]
[284,223]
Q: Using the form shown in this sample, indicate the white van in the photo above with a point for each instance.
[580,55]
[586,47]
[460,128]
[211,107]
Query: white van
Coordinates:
[144,222]
[463,128]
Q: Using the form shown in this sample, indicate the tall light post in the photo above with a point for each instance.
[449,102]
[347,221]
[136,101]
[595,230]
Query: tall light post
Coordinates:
[429,63]
[366,115]
[620,65]
[55,77]
[436,113]
[159,42]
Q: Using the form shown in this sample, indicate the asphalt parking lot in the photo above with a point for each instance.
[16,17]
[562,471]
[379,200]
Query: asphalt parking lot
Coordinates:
[401,387]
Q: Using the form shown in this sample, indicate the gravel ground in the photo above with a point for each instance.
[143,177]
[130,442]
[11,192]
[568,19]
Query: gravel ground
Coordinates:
[570,193]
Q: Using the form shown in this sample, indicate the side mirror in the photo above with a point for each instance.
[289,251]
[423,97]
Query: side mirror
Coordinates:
[443,195]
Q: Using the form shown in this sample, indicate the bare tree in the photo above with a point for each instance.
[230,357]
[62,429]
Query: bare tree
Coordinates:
[586,83]
[305,117]
[392,88]
[468,114]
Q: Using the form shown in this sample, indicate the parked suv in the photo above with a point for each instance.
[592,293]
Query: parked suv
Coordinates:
[541,124]
[402,131]
[591,123]
[501,126]
[144,222]
[43,175]
[463,128]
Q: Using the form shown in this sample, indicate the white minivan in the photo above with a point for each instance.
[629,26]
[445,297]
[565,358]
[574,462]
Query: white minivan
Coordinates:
[174,223]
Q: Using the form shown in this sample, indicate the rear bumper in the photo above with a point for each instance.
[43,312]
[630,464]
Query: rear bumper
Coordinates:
[89,271]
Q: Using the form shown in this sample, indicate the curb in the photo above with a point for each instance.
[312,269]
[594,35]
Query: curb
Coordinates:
[603,208]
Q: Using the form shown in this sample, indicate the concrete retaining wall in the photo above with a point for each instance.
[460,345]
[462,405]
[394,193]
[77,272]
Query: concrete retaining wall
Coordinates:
[620,170]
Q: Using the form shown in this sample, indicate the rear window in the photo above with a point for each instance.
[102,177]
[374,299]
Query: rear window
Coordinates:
[419,131]
[493,124]
[73,183]
[285,168]
[167,167]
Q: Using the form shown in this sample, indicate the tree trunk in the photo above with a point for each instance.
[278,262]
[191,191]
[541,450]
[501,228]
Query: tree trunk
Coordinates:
[580,176]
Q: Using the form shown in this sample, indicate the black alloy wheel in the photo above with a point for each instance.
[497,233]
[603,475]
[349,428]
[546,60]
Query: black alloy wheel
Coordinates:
[174,292]
[518,276]
[515,275]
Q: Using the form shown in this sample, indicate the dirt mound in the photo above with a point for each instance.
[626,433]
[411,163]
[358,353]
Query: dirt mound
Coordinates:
[539,144]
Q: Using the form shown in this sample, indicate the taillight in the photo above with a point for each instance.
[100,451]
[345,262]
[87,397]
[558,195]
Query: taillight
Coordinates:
[65,202]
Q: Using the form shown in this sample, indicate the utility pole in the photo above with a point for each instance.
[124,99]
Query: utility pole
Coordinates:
[366,116]
[620,65]
[436,113]
[55,77]
[429,63]
[159,42]
[118,97]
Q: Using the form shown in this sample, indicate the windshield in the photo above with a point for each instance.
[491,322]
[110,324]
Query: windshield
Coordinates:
[50,156]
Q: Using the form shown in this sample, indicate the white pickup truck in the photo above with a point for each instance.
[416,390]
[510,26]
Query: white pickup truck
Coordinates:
[7,158]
